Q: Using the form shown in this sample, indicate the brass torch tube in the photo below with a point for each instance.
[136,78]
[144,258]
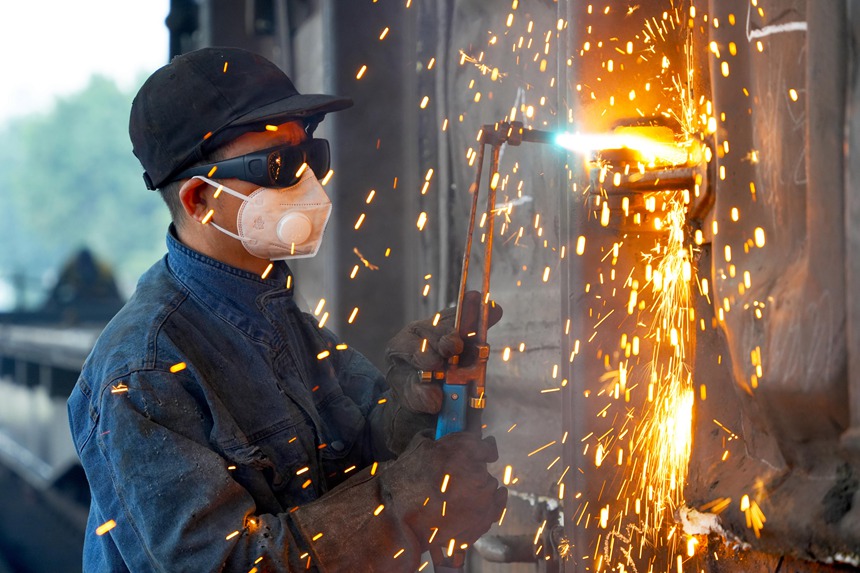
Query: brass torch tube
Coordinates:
[481,334]
[467,253]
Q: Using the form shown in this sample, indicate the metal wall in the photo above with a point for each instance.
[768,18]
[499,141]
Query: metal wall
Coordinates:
[773,346]
[784,337]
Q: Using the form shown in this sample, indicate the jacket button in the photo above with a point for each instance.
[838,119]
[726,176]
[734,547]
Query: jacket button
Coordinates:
[337,446]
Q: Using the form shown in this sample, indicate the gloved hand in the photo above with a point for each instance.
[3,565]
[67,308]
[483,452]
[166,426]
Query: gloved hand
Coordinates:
[408,354]
[417,401]
[473,499]
[359,536]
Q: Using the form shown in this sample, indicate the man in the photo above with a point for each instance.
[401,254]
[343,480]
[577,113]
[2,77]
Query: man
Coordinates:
[219,427]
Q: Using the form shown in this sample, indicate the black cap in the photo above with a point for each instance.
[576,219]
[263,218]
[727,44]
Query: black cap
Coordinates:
[185,108]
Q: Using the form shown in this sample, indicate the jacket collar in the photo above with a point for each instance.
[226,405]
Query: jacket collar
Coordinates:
[236,295]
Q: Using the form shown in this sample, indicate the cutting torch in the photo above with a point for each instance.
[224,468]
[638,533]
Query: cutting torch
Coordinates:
[463,382]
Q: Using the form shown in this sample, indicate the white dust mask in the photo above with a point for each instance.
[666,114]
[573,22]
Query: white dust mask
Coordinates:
[278,224]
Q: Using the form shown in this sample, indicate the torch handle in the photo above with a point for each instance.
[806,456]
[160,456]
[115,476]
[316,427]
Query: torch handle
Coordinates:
[455,405]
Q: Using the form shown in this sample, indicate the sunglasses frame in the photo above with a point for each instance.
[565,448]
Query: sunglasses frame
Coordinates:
[254,167]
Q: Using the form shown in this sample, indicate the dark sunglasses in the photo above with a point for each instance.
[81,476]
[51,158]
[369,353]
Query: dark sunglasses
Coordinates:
[275,167]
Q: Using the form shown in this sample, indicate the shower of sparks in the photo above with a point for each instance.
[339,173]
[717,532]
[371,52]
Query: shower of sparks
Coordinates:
[664,437]
[649,443]
[660,436]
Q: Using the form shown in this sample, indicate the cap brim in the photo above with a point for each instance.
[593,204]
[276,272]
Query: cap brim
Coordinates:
[297,106]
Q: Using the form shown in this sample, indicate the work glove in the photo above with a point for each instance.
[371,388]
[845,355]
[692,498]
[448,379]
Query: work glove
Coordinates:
[384,522]
[417,401]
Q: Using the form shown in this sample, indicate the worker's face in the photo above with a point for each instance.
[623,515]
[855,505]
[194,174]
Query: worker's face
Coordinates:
[227,206]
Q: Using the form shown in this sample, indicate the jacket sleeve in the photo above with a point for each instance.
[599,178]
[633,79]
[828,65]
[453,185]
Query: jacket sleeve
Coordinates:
[355,528]
[172,498]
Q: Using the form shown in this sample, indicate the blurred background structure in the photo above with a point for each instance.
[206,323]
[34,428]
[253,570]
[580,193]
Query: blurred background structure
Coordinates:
[674,384]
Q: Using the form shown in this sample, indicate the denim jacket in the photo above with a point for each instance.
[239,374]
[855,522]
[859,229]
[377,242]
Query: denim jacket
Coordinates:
[209,408]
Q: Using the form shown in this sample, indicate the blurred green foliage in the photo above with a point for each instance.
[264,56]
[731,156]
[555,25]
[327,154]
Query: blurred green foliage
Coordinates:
[68,179]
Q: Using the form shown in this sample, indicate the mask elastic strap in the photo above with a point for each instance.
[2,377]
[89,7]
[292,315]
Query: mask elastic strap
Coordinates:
[230,192]
[226,232]
[222,187]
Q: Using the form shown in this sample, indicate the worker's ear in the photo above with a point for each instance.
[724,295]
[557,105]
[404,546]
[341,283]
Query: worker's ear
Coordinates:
[193,197]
